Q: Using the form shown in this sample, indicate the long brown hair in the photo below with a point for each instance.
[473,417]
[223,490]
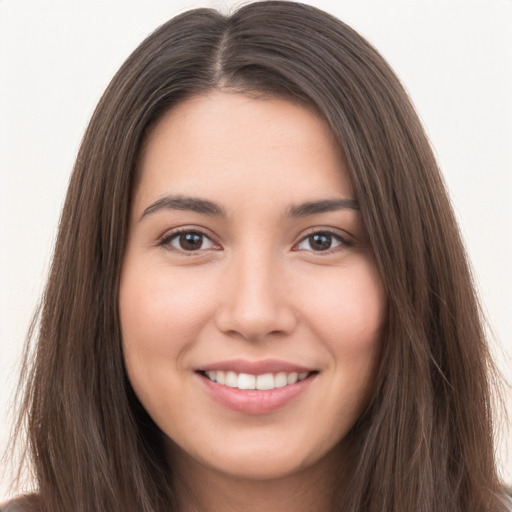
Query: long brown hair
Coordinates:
[425,442]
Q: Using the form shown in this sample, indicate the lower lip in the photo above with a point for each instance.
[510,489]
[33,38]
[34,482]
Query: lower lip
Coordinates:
[255,401]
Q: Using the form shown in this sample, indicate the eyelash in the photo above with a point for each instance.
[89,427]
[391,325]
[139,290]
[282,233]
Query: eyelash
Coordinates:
[343,242]
[167,239]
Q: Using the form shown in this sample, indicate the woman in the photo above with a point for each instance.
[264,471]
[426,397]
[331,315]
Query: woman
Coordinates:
[259,298]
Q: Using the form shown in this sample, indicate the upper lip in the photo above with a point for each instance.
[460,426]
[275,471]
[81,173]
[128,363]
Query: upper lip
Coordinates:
[255,367]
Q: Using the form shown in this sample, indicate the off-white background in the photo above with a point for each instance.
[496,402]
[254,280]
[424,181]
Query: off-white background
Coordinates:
[56,57]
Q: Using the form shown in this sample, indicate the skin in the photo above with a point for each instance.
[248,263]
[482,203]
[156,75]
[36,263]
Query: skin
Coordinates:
[254,286]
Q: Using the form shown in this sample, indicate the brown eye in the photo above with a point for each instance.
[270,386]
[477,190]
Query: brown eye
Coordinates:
[321,241]
[189,241]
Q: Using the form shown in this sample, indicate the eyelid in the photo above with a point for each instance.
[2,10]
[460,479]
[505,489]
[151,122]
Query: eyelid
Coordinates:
[341,236]
[165,240]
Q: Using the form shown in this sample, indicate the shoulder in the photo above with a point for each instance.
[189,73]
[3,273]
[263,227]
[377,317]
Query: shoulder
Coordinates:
[21,504]
[508,499]
[12,506]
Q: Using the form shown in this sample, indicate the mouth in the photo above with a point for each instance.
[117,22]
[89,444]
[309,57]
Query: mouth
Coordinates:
[262,382]
[256,387]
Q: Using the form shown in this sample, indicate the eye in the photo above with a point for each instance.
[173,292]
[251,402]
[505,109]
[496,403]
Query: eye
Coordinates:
[321,241]
[188,241]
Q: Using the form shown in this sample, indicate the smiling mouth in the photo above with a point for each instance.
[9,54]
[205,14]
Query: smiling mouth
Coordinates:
[256,387]
[263,382]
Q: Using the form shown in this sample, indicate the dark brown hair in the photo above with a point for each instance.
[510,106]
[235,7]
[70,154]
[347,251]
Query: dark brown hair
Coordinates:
[425,442]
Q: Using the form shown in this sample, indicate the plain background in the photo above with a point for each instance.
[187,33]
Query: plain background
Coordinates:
[56,58]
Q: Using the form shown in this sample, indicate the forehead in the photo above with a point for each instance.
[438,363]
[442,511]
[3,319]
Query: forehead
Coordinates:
[214,143]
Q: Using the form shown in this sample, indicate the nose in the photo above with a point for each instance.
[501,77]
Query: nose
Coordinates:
[256,302]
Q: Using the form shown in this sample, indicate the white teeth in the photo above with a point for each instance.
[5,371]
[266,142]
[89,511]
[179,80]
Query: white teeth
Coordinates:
[231,380]
[280,380]
[265,381]
[262,382]
[246,381]
[292,377]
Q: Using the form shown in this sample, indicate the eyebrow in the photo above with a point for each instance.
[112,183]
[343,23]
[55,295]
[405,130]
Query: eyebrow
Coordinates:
[194,204]
[327,205]
[205,207]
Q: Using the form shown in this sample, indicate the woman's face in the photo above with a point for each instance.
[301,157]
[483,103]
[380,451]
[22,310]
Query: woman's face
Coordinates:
[251,307]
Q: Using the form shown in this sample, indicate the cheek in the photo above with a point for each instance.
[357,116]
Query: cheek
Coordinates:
[158,309]
[348,316]
[161,315]
[349,308]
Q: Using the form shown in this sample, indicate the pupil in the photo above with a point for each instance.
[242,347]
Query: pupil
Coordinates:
[191,241]
[320,241]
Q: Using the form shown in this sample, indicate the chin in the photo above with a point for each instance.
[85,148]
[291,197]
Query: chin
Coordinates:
[258,460]
[262,468]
